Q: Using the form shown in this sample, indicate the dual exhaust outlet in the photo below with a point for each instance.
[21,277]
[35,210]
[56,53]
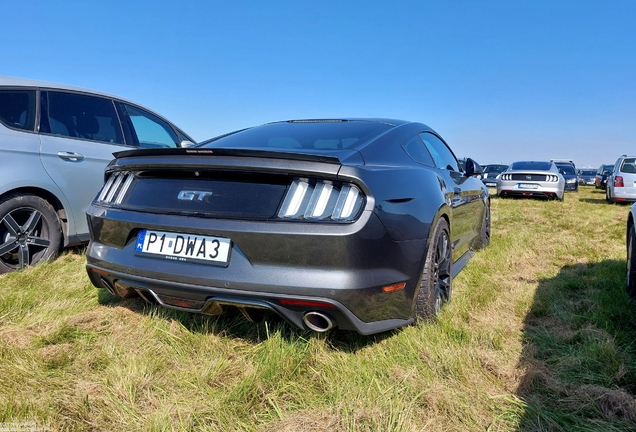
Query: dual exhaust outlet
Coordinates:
[315,321]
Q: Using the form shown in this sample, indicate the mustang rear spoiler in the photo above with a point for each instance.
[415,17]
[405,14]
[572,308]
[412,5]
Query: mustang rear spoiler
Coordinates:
[336,157]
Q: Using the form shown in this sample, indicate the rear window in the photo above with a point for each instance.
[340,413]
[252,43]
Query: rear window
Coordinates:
[312,135]
[17,109]
[531,165]
[628,166]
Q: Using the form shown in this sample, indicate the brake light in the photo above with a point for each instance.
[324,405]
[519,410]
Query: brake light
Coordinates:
[618,181]
[321,201]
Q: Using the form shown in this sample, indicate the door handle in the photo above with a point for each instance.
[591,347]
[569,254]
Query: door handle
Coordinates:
[70,156]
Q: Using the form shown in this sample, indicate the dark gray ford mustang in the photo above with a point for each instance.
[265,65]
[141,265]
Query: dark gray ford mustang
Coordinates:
[354,223]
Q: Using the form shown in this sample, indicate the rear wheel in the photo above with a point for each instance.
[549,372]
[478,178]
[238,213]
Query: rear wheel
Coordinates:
[631,262]
[608,195]
[30,232]
[484,237]
[436,282]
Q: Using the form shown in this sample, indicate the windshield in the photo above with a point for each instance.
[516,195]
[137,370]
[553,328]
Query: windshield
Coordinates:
[588,172]
[314,135]
[495,168]
[566,169]
[531,166]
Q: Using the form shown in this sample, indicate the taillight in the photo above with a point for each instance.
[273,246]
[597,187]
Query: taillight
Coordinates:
[321,201]
[115,188]
[618,181]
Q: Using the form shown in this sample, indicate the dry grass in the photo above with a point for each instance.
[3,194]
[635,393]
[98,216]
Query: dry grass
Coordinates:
[539,336]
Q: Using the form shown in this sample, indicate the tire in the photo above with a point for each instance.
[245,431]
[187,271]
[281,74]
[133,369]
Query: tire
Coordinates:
[30,232]
[631,262]
[608,196]
[436,282]
[484,235]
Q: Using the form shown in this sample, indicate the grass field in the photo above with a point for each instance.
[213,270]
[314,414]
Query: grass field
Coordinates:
[540,336]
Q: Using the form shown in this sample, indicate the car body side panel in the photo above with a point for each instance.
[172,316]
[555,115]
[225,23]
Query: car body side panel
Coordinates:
[69,172]
[22,169]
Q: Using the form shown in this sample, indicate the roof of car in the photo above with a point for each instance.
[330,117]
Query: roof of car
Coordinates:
[23,82]
[389,121]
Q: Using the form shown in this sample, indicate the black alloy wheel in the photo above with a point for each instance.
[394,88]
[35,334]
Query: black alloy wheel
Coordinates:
[484,236]
[30,232]
[631,262]
[436,282]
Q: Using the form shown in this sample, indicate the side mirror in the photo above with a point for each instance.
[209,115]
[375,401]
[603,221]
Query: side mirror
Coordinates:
[472,168]
[186,144]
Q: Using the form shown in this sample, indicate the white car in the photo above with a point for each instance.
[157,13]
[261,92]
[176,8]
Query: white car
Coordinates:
[55,141]
[621,184]
[540,179]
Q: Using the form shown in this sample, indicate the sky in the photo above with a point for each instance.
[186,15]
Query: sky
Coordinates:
[499,80]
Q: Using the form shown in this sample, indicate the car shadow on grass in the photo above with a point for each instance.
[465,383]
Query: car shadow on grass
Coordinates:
[579,353]
[232,324]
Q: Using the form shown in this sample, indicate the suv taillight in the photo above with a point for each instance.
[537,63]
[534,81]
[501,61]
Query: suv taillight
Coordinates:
[618,181]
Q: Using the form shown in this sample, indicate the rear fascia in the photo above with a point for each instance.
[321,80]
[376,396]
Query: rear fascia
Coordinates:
[346,264]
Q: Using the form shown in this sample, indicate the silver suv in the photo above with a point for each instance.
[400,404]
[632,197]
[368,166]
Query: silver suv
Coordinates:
[55,142]
[621,184]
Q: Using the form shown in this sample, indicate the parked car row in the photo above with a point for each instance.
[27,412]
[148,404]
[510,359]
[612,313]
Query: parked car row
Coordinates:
[303,218]
[359,224]
[621,185]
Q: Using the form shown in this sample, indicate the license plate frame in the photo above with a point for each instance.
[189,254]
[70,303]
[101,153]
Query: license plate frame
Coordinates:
[183,247]
[528,186]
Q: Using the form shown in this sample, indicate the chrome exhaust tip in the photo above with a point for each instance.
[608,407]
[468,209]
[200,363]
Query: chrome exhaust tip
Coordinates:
[108,285]
[318,322]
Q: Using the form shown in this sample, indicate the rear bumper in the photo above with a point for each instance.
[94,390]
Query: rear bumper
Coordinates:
[213,300]
[624,194]
[343,266]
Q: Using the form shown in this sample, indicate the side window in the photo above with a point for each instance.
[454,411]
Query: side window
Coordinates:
[442,155]
[150,130]
[81,116]
[17,109]
[418,152]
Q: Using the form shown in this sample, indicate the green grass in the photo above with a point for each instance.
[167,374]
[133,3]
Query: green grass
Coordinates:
[540,335]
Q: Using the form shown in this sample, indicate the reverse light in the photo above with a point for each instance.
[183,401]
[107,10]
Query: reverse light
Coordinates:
[321,201]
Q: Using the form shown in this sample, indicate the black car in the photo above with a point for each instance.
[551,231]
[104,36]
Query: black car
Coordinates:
[491,174]
[586,176]
[604,171]
[568,171]
[360,224]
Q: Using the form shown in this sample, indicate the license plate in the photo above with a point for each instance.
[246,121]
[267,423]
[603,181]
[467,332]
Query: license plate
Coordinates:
[184,247]
[528,186]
